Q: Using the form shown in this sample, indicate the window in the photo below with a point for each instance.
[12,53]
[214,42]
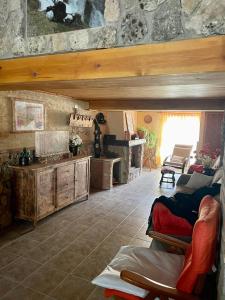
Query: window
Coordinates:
[179,128]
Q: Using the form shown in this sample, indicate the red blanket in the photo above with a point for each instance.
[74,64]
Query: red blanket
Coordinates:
[166,222]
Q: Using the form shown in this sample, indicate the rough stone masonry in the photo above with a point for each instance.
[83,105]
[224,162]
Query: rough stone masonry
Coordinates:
[127,22]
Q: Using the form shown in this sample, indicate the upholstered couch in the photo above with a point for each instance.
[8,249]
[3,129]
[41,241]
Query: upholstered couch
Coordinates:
[165,222]
[181,185]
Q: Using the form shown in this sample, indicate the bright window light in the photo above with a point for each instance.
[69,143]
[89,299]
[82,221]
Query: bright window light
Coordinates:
[179,129]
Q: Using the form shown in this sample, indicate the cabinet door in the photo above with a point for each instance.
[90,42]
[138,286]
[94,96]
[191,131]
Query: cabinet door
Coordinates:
[82,178]
[45,193]
[65,178]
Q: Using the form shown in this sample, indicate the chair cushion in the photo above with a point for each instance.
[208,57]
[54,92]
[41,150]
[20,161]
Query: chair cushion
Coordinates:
[156,265]
[177,159]
[198,180]
[201,254]
[164,221]
[167,170]
[218,176]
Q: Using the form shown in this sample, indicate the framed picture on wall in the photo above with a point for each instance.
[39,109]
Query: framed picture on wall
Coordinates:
[28,115]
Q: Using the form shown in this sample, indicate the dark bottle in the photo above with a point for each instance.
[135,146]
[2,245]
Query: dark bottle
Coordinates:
[25,158]
[22,161]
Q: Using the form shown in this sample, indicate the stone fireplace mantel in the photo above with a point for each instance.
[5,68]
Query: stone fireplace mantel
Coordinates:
[131,154]
[125,143]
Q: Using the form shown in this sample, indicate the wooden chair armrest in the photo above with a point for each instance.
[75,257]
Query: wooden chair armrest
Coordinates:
[166,158]
[155,288]
[169,240]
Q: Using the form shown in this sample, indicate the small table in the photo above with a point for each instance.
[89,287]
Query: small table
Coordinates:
[168,175]
[103,170]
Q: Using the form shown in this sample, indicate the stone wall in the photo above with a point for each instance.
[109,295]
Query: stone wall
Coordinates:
[58,109]
[128,22]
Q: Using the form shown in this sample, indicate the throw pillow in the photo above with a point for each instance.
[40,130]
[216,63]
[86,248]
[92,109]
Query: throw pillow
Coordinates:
[217,176]
[199,180]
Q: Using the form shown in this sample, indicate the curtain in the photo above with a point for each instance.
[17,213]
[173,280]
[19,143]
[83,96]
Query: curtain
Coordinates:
[178,128]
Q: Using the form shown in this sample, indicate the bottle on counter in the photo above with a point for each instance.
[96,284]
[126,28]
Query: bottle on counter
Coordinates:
[25,158]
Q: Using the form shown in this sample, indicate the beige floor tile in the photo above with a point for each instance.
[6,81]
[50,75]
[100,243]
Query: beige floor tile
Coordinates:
[89,219]
[127,229]
[93,264]
[66,260]
[8,236]
[130,220]
[52,225]
[81,239]
[43,252]
[23,293]
[82,245]
[64,237]
[37,236]
[99,233]
[19,269]
[5,286]
[74,230]
[21,245]
[6,257]
[45,279]
[73,288]
[116,239]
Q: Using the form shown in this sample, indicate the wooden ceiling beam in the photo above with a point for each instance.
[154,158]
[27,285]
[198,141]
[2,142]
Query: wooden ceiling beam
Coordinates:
[152,92]
[169,76]
[213,78]
[179,57]
[158,104]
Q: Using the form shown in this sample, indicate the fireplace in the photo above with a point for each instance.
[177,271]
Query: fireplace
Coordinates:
[131,153]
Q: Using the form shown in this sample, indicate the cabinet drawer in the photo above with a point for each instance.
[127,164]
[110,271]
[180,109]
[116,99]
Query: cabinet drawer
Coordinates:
[66,171]
[45,178]
[65,183]
[64,198]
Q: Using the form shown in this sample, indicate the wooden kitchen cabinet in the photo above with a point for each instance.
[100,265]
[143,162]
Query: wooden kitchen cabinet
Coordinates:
[82,179]
[40,190]
[45,189]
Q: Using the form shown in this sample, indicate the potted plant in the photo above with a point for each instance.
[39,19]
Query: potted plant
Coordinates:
[150,146]
[75,143]
[207,158]
[150,136]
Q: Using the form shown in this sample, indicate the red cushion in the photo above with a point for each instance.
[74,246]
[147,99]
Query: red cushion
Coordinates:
[111,293]
[166,222]
[201,253]
[196,168]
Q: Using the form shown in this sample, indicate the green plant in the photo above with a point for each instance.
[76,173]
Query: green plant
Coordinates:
[150,136]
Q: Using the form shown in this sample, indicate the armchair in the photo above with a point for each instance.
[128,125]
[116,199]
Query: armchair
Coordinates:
[138,273]
[179,157]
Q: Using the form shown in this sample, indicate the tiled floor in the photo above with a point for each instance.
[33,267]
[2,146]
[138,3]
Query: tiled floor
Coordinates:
[60,257]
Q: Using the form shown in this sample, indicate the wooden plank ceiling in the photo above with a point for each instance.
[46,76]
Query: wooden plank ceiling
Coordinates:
[176,75]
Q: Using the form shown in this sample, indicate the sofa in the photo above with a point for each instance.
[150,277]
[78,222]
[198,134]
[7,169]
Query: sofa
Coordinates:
[182,187]
[166,222]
